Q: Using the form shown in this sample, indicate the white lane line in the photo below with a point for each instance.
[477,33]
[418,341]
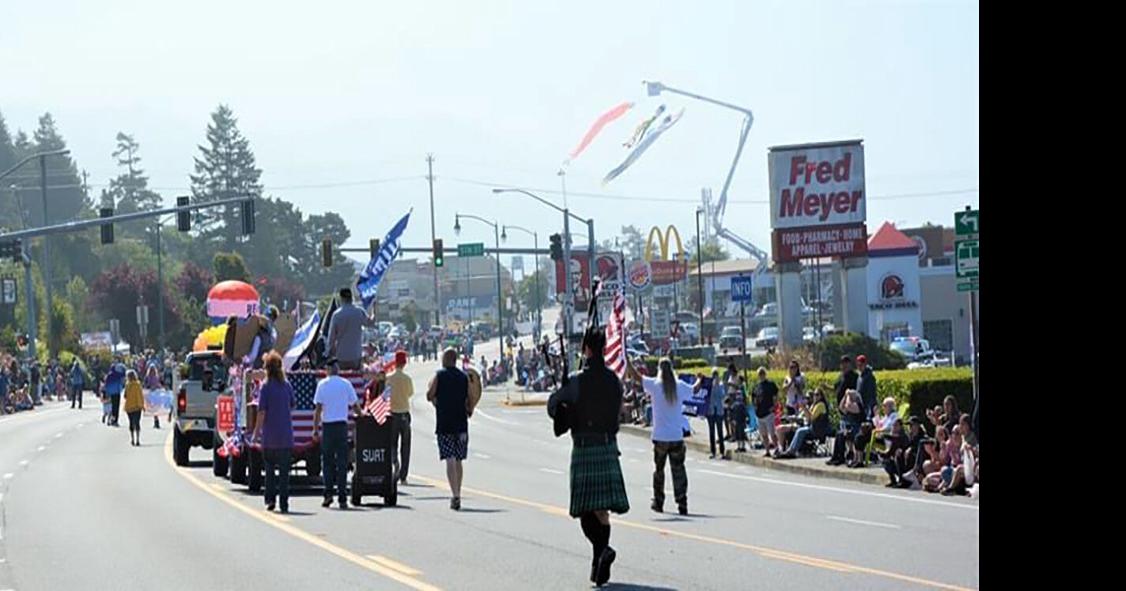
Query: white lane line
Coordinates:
[843,490]
[482,456]
[41,448]
[492,418]
[8,476]
[1,498]
[25,462]
[862,522]
[58,435]
[550,471]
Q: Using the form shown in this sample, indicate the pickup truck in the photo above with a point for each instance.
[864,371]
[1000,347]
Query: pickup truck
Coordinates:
[202,379]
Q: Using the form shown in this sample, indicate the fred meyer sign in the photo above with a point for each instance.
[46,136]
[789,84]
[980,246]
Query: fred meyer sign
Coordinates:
[817,185]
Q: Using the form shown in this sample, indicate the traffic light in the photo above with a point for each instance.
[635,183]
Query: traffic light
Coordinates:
[107,229]
[556,247]
[438,252]
[183,218]
[373,247]
[248,217]
[326,252]
[12,249]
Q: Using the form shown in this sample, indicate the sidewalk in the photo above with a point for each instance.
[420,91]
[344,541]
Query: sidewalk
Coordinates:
[873,474]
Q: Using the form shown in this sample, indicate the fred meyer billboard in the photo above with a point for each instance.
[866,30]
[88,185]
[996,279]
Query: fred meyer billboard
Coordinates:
[818,204]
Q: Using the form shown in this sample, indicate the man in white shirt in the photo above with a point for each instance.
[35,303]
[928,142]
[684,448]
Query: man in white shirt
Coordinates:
[335,398]
[667,396]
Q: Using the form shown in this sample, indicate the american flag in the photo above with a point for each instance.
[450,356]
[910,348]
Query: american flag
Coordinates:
[304,388]
[615,353]
[380,406]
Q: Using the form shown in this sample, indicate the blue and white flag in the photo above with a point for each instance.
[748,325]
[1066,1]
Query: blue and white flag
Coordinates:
[301,340]
[650,135]
[368,282]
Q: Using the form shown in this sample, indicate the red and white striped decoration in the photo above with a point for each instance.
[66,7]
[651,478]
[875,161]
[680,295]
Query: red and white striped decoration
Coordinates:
[615,353]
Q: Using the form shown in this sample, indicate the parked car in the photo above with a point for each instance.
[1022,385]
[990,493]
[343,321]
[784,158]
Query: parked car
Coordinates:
[731,338]
[690,332]
[809,335]
[768,309]
[914,349]
[767,338]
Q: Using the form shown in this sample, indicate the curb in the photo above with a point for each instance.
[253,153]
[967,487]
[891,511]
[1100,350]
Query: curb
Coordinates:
[864,476]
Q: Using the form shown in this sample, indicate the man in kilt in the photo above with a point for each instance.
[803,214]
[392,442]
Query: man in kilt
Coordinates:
[589,406]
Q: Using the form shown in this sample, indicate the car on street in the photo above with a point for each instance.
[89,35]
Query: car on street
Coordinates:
[914,349]
[809,334]
[203,378]
[768,310]
[731,338]
[767,338]
[690,332]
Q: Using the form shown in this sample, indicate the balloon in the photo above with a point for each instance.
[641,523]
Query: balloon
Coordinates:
[232,298]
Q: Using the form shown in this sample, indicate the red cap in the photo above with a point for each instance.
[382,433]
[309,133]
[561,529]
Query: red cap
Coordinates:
[861,359]
[400,357]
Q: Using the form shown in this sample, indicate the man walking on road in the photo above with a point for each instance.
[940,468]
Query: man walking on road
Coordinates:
[77,383]
[114,384]
[335,398]
[590,407]
[449,392]
[402,388]
[346,332]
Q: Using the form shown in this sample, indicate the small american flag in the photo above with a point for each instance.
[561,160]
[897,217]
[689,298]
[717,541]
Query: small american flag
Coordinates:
[615,353]
[379,407]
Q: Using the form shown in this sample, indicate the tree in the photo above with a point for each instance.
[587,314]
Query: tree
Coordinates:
[129,191]
[229,266]
[194,282]
[117,293]
[712,251]
[632,243]
[225,169]
[527,292]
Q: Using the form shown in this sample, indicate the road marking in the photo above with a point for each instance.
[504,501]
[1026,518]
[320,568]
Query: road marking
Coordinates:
[296,532]
[58,435]
[760,550]
[550,471]
[394,564]
[482,456]
[8,476]
[862,522]
[1,497]
[843,490]
[24,462]
[492,418]
[41,448]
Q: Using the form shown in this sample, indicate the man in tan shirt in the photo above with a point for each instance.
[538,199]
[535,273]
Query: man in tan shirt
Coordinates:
[402,388]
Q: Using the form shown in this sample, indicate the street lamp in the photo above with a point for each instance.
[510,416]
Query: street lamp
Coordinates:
[539,305]
[496,235]
[568,301]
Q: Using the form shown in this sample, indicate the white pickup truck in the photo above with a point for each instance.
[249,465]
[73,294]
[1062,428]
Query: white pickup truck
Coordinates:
[201,382]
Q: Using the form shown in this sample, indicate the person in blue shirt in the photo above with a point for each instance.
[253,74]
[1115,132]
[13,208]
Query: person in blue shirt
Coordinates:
[77,383]
[714,411]
[114,384]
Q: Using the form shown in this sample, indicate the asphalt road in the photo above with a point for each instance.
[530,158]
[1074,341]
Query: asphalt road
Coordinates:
[81,509]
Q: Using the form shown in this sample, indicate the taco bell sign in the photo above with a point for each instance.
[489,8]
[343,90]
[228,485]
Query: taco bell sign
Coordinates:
[814,185]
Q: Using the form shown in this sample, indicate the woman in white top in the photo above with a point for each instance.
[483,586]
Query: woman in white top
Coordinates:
[667,395]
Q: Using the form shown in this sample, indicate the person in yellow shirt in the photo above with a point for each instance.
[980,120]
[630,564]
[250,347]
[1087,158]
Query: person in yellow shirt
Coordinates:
[134,404]
[402,388]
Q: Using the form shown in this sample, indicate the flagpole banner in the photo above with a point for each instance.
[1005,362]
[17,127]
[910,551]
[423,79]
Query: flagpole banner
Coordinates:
[368,282]
[301,340]
[643,145]
[605,119]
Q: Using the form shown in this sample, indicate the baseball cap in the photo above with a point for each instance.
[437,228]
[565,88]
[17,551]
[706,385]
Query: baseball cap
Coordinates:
[400,357]
[861,359]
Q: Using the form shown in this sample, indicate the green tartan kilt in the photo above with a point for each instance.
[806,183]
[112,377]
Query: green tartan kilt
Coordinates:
[596,480]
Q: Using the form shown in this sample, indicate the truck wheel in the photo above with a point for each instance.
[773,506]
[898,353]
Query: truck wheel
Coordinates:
[179,448]
[256,467]
[356,498]
[218,463]
[313,466]
[392,497]
[238,469]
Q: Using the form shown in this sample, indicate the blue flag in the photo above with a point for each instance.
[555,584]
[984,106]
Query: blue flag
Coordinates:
[301,340]
[368,282]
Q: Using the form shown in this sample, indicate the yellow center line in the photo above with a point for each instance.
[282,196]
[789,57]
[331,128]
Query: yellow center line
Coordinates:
[389,563]
[760,550]
[273,521]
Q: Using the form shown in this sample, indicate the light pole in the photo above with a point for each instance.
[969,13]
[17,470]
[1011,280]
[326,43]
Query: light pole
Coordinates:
[496,236]
[568,297]
[539,305]
[700,273]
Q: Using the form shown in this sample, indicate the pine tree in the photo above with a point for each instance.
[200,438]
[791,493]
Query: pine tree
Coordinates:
[224,169]
[129,192]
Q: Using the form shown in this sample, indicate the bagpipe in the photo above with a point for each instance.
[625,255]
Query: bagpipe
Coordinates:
[557,404]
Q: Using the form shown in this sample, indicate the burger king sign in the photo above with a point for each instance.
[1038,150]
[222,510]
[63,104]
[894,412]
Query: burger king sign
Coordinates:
[639,275]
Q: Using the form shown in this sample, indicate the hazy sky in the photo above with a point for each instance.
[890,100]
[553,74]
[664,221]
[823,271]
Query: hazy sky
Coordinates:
[342,101]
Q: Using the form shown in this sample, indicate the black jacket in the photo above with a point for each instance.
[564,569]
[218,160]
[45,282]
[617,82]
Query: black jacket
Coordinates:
[845,382]
[591,402]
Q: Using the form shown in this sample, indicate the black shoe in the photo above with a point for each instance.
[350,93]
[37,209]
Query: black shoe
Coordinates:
[327,502]
[342,503]
[285,509]
[604,562]
[269,506]
[593,570]
[683,509]
[657,507]
[455,503]
[892,484]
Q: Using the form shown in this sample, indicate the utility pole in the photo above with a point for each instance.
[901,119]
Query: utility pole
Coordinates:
[48,309]
[433,237]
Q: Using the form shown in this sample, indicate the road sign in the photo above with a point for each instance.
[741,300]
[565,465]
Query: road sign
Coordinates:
[966,224]
[473,249]
[966,231]
[741,289]
[661,322]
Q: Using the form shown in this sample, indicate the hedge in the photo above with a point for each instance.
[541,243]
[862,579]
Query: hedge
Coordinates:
[879,355]
[919,388]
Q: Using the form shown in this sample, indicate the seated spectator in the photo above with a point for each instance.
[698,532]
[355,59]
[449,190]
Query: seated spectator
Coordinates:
[817,427]
[852,415]
[948,416]
[794,387]
[895,459]
[950,460]
[964,476]
[967,433]
[881,426]
[933,452]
